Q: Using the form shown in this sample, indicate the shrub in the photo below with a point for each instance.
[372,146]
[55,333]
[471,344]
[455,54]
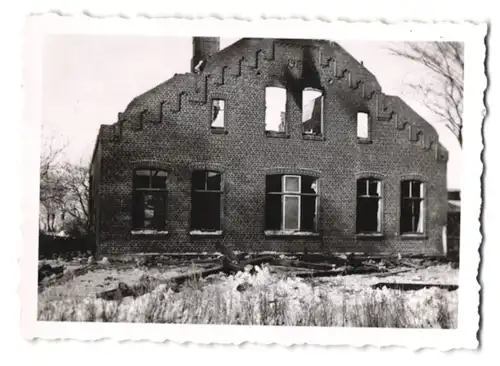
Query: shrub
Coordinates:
[50,246]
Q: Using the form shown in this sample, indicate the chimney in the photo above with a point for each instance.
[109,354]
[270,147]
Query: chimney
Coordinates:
[203,48]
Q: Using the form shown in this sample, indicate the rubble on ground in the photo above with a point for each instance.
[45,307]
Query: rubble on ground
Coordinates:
[302,265]
[45,270]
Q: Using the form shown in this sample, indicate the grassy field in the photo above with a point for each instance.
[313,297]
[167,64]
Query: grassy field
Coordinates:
[269,297]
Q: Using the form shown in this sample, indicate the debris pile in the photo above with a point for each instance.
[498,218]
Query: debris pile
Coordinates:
[59,272]
[413,286]
[45,270]
[302,265]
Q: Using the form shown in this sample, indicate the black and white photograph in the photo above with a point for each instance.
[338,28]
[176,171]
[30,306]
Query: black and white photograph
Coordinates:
[275,181]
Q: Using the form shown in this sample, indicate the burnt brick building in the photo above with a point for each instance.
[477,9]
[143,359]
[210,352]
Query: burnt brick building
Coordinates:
[269,145]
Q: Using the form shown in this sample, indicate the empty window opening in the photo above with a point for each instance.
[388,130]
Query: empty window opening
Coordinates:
[149,207]
[363,125]
[412,207]
[206,201]
[275,109]
[291,203]
[312,111]
[369,206]
[218,109]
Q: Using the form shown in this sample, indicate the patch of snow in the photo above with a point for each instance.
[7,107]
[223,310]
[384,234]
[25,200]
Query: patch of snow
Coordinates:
[266,252]
[298,298]
[290,232]
[62,234]
[165,254]
[148,232]
[200,232]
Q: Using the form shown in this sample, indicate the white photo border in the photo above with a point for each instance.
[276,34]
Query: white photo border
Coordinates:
[475,81]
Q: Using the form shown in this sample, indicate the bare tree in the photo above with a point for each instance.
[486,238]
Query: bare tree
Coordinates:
[75,179]
[52,190]
[50,155]
[443,89]
[64,191]
[51,207]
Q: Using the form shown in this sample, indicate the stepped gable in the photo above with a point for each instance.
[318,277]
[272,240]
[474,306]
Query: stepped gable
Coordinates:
[247,56]
[405,119]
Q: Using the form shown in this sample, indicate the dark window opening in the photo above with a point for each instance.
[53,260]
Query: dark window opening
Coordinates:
[273,212]
[454,195]
[453,226]
[412,207]
[291,203]
[149,206]
[369,206]
[206,201]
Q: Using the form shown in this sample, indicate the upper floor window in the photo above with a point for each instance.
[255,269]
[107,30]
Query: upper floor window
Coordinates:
[369,206]
[291,203]
[412,207]
[149,208]
[206,200]
[363,126]
[275,109]
[218,114]
[312,111]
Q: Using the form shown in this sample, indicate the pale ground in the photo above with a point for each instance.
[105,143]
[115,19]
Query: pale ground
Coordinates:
[345,300]
[103,279]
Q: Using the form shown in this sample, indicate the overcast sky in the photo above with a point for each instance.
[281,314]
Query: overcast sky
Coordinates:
[88,79]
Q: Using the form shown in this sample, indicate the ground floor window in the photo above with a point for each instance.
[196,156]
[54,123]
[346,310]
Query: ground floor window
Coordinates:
[291,203]
[149,206]
[206,200]
[369,206]
[412,207]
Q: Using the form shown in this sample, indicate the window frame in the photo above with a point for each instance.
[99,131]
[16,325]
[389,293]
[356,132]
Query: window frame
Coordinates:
[197,231]
[142,191]
[283,211]
[423,209]
[380,212]
[290,194]
[294,194]
[313,136]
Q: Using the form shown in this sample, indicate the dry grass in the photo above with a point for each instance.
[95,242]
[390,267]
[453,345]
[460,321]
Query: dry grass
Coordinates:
[270,299]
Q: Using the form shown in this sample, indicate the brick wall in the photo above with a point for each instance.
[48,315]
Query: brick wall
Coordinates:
[169,127]
[95,188]
[453,232]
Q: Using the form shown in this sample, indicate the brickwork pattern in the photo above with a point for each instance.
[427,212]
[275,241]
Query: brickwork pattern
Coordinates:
[170,125]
